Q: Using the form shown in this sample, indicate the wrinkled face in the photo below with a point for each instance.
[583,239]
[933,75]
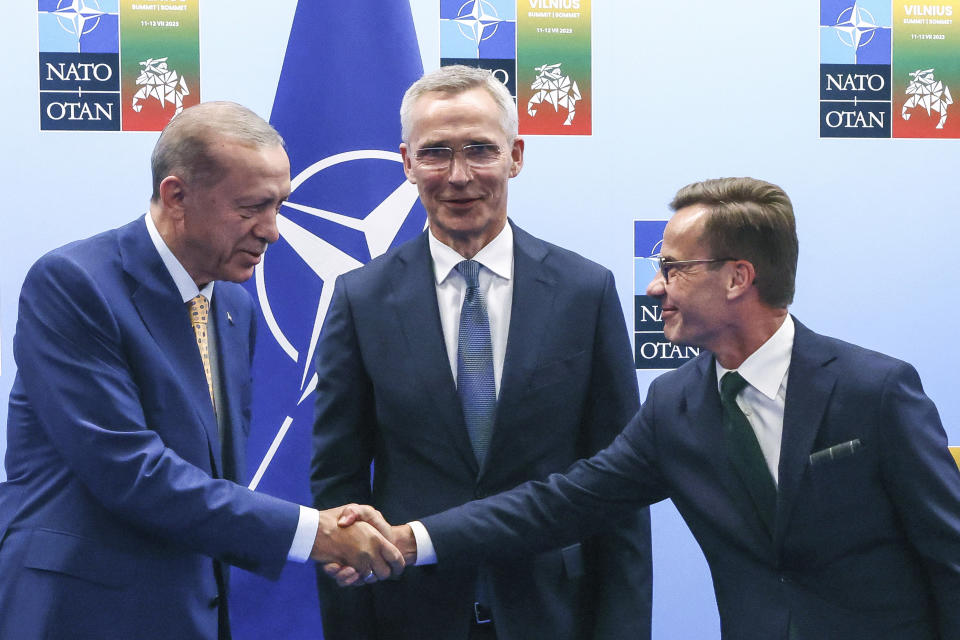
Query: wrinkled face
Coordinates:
[694,302]
[463,202]
[227,226]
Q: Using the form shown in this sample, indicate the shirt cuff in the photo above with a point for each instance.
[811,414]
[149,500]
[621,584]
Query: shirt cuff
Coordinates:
[426,554]
[306,533]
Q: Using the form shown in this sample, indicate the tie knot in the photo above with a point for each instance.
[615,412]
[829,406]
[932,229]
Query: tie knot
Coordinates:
[731,385]
[470,270]
[198,309]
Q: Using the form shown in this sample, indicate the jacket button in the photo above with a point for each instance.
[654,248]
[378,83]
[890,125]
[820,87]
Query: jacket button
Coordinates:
[214,602]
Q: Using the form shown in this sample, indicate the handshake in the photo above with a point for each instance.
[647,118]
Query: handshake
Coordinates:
[356,546]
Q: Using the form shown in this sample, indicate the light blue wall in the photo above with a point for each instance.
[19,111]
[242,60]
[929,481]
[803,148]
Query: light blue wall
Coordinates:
[683,91]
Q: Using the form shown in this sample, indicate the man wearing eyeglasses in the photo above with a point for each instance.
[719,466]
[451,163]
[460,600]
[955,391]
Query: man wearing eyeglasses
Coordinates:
[814,473]
[463,363]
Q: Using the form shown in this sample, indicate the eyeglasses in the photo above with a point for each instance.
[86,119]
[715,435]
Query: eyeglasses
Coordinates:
[475,155]
[663,267]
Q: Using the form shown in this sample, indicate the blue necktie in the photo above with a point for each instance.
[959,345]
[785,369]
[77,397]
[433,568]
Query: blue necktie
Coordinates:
[475,384]
[744,451]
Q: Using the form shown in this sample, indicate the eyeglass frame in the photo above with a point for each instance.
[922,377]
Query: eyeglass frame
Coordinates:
[664,266]
[454,152]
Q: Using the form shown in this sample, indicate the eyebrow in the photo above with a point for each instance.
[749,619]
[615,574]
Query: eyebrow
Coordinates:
[447,144]
[259,201]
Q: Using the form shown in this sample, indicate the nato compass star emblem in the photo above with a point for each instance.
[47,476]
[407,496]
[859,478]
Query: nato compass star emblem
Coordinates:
[478,20]
[318,235]
[855,26]
[78,17]
[78,26]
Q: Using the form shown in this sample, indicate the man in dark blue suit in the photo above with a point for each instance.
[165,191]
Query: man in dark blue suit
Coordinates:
[814,473]
[129,413]
[555,383]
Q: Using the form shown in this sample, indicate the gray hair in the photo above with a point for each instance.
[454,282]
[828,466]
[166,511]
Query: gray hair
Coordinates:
[750,220]
[183,148]
[456,79]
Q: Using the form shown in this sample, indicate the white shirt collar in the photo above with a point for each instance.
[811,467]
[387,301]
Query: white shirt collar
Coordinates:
[497,255]
[766,367]
[185,285]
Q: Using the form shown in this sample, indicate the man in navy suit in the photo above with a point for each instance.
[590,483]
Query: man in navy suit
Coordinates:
[129,413]
[560,382]
[814,473]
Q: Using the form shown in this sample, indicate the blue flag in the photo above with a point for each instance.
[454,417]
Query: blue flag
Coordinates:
[338,108]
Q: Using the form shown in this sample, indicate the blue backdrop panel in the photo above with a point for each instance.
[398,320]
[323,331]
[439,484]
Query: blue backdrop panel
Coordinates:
[337,106]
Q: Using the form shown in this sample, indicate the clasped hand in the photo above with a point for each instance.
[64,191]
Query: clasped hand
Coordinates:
[360,547]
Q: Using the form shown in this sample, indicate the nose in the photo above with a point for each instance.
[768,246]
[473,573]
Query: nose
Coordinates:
[459,170]
[267,229]
[657,288]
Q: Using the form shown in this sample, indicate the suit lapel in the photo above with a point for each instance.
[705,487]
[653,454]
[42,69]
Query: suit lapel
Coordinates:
[232,348]
[809,387]
[413,298]
[534,288]
[163,313]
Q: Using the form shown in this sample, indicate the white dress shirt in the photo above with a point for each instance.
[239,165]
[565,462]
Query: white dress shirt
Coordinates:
[309,518]
[496,285]
[763,399]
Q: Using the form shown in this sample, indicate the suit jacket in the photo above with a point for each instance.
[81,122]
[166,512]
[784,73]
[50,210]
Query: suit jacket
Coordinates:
[386,393]
[865,546]
[116,506]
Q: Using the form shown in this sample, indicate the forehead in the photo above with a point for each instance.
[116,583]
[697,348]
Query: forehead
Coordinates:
[438,116]
[682,237]
[250,171]
[237,157]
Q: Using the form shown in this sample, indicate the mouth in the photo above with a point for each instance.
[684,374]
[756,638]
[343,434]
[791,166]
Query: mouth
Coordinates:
[460,202]
[253,256]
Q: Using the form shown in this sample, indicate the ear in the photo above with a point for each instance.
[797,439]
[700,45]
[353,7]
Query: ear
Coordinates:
[516,156]
[172,195]
[407,162]
[741,279]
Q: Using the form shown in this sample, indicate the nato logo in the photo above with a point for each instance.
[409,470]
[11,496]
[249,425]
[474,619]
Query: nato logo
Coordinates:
[79,64]
[855,55]
[651,348]
[478,29]
[855,32]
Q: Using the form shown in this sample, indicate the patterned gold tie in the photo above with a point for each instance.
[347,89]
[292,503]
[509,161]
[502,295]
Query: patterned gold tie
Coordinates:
[199,310]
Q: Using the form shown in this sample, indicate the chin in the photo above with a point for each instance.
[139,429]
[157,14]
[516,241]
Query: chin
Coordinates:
[238,276]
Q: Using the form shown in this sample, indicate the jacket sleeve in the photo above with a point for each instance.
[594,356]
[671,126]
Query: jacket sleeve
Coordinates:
[85,391]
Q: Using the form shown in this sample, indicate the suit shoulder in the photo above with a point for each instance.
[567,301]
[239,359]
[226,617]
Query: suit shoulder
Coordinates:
[93,256]
[572,259]
[378,269]
[571,265]
[860,362]
[553,252]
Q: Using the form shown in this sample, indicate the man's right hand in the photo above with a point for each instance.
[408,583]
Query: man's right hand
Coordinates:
[359,547]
